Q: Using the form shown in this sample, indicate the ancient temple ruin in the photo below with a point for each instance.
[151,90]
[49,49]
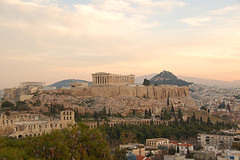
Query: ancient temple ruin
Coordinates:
[103,78]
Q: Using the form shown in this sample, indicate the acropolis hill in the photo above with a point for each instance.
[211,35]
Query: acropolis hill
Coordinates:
[117,93]
[113,85]
[152,92]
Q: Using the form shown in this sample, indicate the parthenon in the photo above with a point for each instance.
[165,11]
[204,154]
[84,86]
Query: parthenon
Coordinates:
[102,78]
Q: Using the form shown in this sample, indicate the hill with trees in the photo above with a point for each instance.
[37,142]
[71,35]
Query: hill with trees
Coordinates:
[168,78]
[66,83]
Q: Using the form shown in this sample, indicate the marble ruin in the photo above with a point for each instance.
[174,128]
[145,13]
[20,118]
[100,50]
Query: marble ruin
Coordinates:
[103,78]
[26,90]
[23,125]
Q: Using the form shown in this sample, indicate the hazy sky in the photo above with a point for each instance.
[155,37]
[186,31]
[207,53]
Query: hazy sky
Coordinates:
[52,40]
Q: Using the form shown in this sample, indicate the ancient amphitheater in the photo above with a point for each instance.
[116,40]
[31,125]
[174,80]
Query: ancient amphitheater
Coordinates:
[22,125]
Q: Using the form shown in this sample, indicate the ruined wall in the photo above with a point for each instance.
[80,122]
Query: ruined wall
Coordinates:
[152,92]
[22,125]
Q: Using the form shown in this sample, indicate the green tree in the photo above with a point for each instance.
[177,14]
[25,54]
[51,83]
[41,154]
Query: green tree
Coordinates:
[193,118]
[204,108]
[119,154]
[209,121]
[109,112]
[171,151]
[180,113]
[168,101]
[150,112]
[128,137]
[189,154]
[201,120]
[178,151]
[146,82]
[79,142]
[134,112]
[7,104]
[172,109]
[146,114]
[236,146]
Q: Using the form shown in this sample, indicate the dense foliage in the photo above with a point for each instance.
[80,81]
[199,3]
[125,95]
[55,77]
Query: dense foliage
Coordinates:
[176,130]
[80,142]
[20,106]
[146,82]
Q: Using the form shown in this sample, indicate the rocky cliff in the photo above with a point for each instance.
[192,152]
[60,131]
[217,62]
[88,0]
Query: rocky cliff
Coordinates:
[117,99]
[151,92]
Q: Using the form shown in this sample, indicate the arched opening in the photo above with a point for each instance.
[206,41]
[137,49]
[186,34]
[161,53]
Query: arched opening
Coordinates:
[20,136]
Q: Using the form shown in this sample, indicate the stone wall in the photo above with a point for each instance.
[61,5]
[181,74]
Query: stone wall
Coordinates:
[23,125]
[152,92]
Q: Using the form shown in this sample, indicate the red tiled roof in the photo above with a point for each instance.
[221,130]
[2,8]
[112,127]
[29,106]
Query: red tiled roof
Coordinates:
[183,144]
[142,157]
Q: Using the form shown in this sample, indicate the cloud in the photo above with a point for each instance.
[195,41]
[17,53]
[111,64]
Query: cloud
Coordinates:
[220,15]
[196,21]
[49,41]
[136,6]
[224,10]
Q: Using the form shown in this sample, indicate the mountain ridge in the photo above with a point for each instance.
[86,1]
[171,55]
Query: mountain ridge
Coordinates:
[66,83]
[168,78]
[204,81]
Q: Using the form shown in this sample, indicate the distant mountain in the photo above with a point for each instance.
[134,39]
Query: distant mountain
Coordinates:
[210,82]
[66,83]
[168,78]
[139,79]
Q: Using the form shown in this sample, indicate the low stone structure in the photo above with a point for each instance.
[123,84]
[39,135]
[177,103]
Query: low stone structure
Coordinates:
[103,78]
[25,91]
[22,125]
[219,141]
[79,84]
[128,121]
[155,143]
